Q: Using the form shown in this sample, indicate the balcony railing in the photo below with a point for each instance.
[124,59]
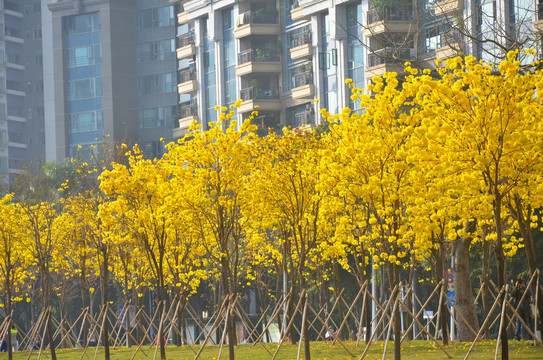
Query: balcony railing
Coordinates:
[188,110]
[258,55]
[8,5]
[14,85]
[13,32]
[390,56]
[13,59]
[397,13]
[262,17]
[185,39]
[301,119]
[300,39]
[186,75]
[255,92]
[305,78]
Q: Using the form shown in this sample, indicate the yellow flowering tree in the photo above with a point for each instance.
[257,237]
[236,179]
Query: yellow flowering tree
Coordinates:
[287,203]
[211,167]
[14,258]
[37,225]
[491,115]
[78,256]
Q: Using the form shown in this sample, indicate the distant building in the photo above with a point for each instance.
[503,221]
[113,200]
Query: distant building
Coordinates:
[110,70]
[279,56]
[21,86]
[74,71]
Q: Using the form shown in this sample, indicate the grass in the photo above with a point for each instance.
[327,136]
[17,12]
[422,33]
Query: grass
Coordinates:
[416,350]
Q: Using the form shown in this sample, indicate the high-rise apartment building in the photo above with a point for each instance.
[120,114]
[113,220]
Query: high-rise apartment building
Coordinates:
[110,71]
[74,71]
[21,86]
[279,56]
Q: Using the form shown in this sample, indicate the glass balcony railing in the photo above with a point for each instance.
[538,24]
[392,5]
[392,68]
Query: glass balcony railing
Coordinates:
[8,5]
[13,59]
[256,92]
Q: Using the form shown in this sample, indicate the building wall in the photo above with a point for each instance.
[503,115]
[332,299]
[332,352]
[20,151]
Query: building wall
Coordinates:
[325,42]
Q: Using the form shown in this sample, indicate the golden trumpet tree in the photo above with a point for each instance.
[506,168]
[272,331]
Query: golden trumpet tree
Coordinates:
[211,167]
[486,118]
[78,256]
[285,200]
[141,198]
[14,258]
[39,238]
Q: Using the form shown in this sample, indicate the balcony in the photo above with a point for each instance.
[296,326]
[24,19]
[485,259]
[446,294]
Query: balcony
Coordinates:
[387,60]
[187,114]
[300,45]
[258,61]
[183,18]
[257,98]
[187,81]
[185,46]
[13,35]
[451,45]
[298,14]
[390,20]
[302,120]
[261,22]
[303,86]
[12,6]
[14,61]
[448,7]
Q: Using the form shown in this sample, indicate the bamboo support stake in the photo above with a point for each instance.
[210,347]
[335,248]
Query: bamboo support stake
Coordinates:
[501,321]
[391,323]
[361,322]
[350,310]
[378,324]
[222,309]
[334,335]
[287,329]
[304,317]
[274,315]
[424,329]
[484,323]
[423,307]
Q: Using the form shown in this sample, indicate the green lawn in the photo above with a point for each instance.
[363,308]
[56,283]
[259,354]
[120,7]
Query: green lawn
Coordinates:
[417,350]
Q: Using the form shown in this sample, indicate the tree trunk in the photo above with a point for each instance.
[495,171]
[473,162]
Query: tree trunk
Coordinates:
[462,286]
[229,289]
[397,316]
[83,289]
[442,275]
[484,284]
[338,286]
[104,276]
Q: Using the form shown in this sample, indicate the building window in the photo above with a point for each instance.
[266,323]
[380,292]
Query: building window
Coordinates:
[79,24]
[89,121]
[157,17]
[157,84]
